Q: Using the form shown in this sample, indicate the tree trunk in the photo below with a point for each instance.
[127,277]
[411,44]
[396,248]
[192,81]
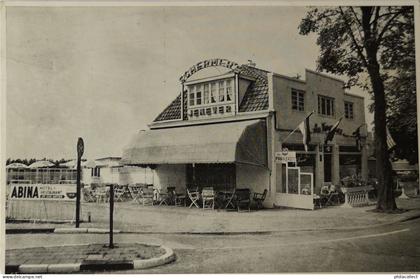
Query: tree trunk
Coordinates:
[386,199]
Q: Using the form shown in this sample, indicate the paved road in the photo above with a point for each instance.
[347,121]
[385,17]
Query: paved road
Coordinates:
[393,248]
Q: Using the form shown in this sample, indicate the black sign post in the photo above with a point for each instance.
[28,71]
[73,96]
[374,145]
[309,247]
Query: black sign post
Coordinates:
[111,216]
[80,150]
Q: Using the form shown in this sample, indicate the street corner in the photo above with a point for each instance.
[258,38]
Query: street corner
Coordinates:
[88,258]
[168,257]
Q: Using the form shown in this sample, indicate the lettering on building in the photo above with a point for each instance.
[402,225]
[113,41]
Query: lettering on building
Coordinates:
[208,63]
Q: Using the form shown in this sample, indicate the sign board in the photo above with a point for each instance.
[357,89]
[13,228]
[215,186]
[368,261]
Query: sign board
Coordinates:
[64,192]
[285,156]
[80,148]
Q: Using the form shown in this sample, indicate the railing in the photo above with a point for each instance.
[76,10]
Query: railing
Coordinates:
[356,196]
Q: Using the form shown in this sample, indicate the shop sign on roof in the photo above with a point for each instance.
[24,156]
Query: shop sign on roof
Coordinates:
[208,63]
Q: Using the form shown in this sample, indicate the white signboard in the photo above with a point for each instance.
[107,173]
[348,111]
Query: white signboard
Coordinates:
[65,192]
[285,156]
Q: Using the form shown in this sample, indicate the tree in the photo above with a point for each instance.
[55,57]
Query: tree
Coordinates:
[398,58]
[353,42]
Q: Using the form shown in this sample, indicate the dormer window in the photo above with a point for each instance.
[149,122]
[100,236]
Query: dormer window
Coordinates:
[211,98]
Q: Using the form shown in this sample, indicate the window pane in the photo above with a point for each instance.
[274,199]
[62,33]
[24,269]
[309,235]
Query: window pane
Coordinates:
[328,107]
[213,92]
[319,104]
[228,90]
[221,91]
[206,93]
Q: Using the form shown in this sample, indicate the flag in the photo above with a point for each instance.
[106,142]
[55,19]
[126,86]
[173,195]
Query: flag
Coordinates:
[331,132]
[305,130]
[389,140]
[358,135]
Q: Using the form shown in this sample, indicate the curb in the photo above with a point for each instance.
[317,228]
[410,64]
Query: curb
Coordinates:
[100,265]
[105,231]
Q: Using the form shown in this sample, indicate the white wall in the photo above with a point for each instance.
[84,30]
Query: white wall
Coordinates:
[255,178]
[133,174]
[170,175]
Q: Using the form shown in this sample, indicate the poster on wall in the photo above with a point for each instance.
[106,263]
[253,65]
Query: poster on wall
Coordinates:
[64,192]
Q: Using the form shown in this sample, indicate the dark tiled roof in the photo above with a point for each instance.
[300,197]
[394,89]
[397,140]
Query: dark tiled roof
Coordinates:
[255,98]
[171,112]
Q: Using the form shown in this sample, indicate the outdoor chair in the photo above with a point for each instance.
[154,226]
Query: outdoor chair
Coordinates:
[328,194]
[102,194]
[333,197]
[179,198]
[163,198]
[207,195]
[194,196]
[259,198]
[243,198]
[135,193]
[119,193]
[89,195]
[147,196]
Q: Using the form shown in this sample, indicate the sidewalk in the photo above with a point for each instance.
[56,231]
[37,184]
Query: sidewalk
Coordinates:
[83,258]
[133,218]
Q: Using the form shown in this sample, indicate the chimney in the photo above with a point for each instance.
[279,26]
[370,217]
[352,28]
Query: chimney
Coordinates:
[251,63]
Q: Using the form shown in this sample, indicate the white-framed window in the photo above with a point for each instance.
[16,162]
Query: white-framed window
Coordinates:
[211,99]
[298,100]
[325,105]
[192,96]
[348,110]
[213,90]
[206,93]
[198,94]
[96,172]
[229,91]
[221,91]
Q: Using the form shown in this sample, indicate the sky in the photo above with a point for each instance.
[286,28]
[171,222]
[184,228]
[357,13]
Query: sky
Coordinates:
[104,73]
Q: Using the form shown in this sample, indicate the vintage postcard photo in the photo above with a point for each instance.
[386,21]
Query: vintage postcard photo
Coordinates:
[210,138]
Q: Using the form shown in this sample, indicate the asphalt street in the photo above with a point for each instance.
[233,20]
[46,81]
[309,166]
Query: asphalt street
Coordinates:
[393,248]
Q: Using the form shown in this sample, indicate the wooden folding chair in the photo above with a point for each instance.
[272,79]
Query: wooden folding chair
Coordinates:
[102,194]
[135,193]
[194,196]
[119,194]
[147,195]
[207,195]
[89,195]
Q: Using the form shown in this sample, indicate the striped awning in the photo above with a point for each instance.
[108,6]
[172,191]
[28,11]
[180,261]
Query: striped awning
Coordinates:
[235,142]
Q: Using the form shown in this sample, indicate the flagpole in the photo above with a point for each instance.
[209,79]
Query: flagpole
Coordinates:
[284,140]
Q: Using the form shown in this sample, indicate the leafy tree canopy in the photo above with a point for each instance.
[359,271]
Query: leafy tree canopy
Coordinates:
[343,35]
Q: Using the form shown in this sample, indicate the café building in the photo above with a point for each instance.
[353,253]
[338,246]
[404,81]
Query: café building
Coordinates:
[233,129]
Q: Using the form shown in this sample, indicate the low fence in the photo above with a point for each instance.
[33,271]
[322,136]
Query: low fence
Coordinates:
[41,210]
[52,202]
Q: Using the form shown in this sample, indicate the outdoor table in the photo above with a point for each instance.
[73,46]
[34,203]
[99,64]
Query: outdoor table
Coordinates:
[227,199]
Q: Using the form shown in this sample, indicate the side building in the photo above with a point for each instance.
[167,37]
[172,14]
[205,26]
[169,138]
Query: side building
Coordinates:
[225,130]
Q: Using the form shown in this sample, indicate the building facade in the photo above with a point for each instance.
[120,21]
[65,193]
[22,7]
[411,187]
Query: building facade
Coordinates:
[228,130]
